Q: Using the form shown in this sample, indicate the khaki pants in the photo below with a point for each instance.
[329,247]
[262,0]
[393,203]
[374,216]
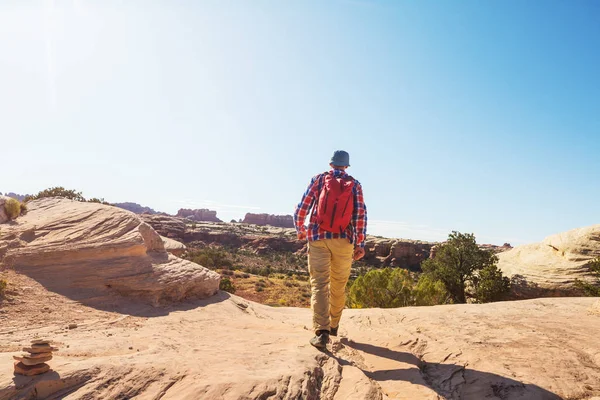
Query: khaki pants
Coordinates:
[329,262]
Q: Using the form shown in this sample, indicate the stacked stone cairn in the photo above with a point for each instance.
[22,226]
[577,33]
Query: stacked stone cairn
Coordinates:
[33,361]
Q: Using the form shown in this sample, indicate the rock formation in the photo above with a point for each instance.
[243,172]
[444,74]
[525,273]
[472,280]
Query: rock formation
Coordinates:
[87,250]
[173,246]
[543,349]
[135,208]
[165,225]
[202,214]
[401,253]
[33,361]
[550,268]
[19,197]
[282,221]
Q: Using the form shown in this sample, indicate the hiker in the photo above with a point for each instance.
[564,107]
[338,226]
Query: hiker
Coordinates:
[336,235]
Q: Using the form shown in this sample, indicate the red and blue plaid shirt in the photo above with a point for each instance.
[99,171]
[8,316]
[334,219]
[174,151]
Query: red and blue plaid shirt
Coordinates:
[356,231]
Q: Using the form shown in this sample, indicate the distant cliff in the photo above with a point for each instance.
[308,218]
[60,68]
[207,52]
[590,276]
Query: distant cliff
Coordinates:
[135,208]
[19,197]
[282,221]
[202,214]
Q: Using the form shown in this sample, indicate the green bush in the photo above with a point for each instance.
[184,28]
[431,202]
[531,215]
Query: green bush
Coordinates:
[226,284]
[210,257]
[429,292]
[23,208]
[12,208]
[490,285]
[384,288]
[591,289]
[60,191]
[466,270]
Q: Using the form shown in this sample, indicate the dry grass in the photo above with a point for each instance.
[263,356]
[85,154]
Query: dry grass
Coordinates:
[276,290]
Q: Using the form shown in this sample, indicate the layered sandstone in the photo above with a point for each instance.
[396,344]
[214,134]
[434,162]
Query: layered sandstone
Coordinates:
[166,225]
[544,349]
[282,221]
[202,214]
[135,208]
[89,250]
[551,267]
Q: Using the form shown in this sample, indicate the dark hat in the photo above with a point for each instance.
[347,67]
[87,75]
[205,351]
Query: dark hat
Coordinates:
[340,158]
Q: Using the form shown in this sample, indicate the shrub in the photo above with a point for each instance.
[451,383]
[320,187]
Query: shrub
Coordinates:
[3,285]
[461,265]
[23,208]
[57,192]
[210,257]
[591,289]
[12,208]
[429,292]
[385,288]
[226,284]
[490,285]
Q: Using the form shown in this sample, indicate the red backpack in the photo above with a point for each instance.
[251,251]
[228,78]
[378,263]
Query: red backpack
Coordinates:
[336,203]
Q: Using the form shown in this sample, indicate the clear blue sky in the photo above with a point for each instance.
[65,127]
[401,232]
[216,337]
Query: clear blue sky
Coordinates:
[478,116]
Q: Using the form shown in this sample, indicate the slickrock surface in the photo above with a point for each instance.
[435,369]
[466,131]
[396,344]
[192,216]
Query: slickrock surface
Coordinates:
[88,250]
[551,266]
[225,347]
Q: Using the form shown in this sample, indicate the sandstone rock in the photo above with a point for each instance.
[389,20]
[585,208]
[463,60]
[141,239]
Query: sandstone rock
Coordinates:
[202,214]
[166,225]
[41,341]
[22,369]
[87,250]
[543,349]
[36,355]
[30,361]
[134,208]
[550,268]
[40,349]
[283,221]
[173,246]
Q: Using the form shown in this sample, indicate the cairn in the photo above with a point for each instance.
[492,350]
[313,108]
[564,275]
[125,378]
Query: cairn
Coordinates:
[33,361]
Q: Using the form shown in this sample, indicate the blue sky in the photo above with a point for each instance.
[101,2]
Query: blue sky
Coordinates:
[475,116]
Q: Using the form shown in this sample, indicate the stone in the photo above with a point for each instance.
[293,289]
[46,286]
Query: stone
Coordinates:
[134,208]
[22,369]
[32,361]
[282,221]
[39,349]
[166,225]
[41,341]
[91,250]
[36,355]
[173,246]
[202,214]
[551,267]
[72,326]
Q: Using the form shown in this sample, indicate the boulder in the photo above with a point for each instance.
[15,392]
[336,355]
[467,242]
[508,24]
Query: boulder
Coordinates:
[166,225]
[87,250]
[173,246]
[550,268]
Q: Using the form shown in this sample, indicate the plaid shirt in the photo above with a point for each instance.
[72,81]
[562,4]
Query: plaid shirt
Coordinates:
[356,231]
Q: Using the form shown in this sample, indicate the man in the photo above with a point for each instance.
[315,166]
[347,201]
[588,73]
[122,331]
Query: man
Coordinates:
[336,235]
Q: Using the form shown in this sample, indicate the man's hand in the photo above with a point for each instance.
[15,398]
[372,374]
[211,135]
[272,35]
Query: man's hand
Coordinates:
[359,252]
[301,235]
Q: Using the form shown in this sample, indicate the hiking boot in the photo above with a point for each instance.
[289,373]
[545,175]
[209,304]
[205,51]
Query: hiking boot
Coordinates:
[333,331]
[320,340]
